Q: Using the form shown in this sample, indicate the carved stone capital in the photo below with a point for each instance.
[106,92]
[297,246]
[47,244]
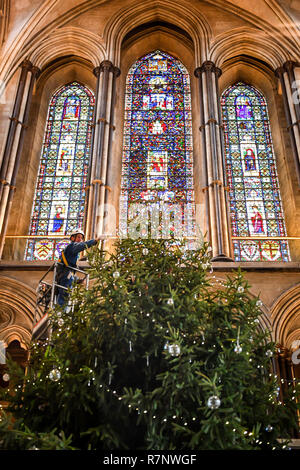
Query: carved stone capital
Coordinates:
[26,64]
[218,72]
[198,72]
[289,65]
[279,72]
[35,70]
[106,65]
[116,72]
[97,71]
[208,66]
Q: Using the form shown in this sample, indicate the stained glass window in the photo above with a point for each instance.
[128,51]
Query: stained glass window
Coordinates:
[157,172]
[255,203]
[58,206]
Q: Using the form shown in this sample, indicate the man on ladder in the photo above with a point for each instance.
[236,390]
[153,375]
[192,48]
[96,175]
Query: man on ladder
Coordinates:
[69,257]
[64,277]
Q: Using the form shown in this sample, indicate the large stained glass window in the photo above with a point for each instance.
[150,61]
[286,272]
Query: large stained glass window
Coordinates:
[157,172]
[58,206]
[257,218]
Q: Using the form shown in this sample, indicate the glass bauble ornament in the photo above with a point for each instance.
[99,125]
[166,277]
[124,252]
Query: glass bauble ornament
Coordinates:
[174,349]
[54,375]
[116,274]
[213,402]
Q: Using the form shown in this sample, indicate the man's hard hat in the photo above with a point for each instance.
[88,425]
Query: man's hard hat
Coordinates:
[76,232]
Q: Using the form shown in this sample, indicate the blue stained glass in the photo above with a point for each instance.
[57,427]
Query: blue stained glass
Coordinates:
[257,219]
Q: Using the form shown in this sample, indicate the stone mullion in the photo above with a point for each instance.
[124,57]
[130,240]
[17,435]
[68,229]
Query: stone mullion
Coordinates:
[15,169]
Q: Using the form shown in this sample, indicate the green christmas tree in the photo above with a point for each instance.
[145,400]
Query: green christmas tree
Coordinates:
[157,354]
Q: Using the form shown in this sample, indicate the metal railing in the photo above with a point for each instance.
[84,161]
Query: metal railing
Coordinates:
[47,292]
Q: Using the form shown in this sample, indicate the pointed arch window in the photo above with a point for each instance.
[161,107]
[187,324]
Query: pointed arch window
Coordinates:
[157,169]
[58,206]
[257,219]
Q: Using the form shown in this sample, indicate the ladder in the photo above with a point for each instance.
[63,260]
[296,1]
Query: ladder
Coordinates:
[47,299]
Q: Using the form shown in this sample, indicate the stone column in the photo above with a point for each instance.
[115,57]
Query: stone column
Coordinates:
[198,74]
[290,66]
[11,166]
[107,218]
[14,121]
[214,162]
[101,145]
[292,109]
[225,202]
[89,187]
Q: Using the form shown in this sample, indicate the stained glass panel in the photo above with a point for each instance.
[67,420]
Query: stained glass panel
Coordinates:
[255,204]
[157,172]
[58,206]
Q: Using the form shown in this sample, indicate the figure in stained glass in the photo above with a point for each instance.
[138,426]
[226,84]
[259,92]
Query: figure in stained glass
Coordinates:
[58,220]
[157,127]
[67,127]
[243,107]
[257,220]
[71,108]
[66,157]
[249,158]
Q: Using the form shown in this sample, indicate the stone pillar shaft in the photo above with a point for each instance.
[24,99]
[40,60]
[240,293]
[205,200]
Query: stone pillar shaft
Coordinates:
[225,211]
[89,187]
[13,162]
[106,74]
[292,110]
[198,74]
[14,121]
[213,153]
[110,169]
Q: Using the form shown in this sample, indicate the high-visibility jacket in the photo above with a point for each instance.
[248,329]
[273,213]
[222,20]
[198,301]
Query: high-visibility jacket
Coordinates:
[70,254]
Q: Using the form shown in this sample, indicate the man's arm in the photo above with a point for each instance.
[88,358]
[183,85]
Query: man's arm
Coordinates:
[77,247]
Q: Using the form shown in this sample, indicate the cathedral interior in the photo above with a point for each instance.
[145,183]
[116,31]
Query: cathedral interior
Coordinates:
[105,104]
